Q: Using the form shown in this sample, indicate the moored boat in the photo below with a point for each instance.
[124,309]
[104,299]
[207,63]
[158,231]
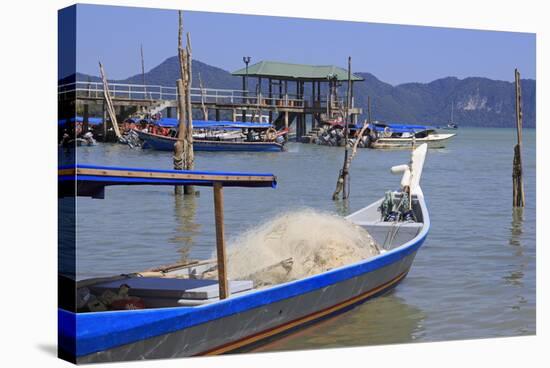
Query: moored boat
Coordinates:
[184,315]
[399,136]
[164,143]
[220,136]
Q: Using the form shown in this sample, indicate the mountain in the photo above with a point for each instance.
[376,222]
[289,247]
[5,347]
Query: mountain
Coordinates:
[166,73]
[477,101]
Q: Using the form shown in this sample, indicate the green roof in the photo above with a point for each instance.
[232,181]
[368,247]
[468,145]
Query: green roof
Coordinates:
[279,70]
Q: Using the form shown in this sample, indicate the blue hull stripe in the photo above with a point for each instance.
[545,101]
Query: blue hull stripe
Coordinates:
[138,169]
[99,331]
[167,144]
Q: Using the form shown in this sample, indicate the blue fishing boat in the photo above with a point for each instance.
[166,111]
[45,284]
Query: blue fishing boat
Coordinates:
[186,315]
[219,136]
[164,143]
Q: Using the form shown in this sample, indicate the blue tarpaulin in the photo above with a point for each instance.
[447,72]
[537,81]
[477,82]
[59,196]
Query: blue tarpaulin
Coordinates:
[210,124]
[401,128]
[91,180]
[80,119]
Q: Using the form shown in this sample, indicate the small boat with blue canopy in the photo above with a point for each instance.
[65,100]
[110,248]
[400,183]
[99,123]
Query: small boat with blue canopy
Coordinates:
[218,136]
[180,313]
[393,135]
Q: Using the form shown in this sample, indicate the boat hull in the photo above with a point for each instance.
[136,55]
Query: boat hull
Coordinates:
[161,143]
[236,331]
[239,321]
[433,141]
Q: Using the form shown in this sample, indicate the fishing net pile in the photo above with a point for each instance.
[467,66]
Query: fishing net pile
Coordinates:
[296,245]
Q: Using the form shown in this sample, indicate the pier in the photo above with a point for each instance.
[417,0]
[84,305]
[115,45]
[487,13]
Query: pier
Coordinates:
[289,94]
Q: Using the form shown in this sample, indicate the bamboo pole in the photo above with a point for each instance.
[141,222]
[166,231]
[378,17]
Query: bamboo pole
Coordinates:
[517,171]
[108,100]
[220,241]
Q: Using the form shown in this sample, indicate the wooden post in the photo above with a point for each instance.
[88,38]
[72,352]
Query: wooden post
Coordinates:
[104,123]
[346,132]
[243,113]
[286,125]
[270,99]
[203,106]
[85,118]
[342,184]
[368,110]
[143,74]
[220,241]
[517,171]
[190,153]
[183,148]
[109,101]
[179,146]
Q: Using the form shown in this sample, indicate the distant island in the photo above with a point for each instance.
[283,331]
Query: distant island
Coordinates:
[479,102]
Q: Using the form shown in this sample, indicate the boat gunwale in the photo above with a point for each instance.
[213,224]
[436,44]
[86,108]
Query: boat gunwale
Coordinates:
[206,141]
[445,136]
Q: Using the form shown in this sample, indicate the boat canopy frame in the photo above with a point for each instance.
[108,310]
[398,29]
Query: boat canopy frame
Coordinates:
[91,180]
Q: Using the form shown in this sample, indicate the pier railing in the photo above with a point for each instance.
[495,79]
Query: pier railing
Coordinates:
[94,90]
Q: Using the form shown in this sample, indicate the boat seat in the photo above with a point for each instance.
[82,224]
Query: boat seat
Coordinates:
[172,288]
[162,287]
[210,293]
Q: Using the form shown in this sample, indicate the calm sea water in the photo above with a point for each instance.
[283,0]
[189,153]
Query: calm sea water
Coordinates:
[474,277]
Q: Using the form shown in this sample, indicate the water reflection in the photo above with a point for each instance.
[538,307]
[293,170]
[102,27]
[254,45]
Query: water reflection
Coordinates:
[342,207]
[385,320]
[185,208]
[515,277]
[517,226]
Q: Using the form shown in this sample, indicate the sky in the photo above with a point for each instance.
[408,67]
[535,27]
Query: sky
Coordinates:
[394,53]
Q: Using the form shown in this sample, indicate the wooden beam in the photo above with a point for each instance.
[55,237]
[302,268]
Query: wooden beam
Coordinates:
[163,175]
[220,241]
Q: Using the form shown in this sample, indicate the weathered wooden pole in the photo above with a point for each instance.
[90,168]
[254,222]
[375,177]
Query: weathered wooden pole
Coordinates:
[346,133]
[189,152]
[143,73]
[109,101]
[104,122]
[342,184]
[517,171]
[183,148]
[180,145]
[368,110]
[270,91]
[220,241]
[85,118]
[203,106]
[286,125]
